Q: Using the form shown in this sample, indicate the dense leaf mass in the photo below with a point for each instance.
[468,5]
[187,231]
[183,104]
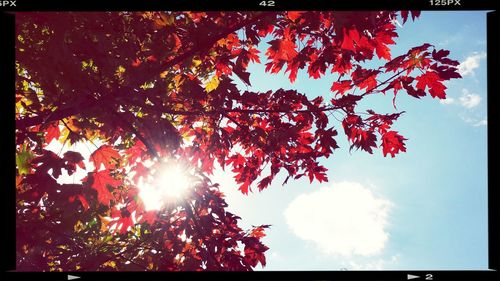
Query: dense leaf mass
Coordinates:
[140,87]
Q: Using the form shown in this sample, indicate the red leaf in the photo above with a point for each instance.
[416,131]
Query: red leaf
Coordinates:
[282,50]
[369,83]
[49,161]
[122,224]
[140,171]
[264,183]
[151,58]
[254,251]
[53,133]
[245,56]
[237,160]
[136,63]
[382,39]
[439,54]
[393,143]
[243,75]
[81,198]
[101,181]
[350,37]
[258,232]
[104,155]
[365,78]
[320,174]
[149,216]
[244,187]
[253,54]
[414,15]
[404,16]
[263,31]
[136,152]
[433,81]
[74,158]
[383,51]
[294,15]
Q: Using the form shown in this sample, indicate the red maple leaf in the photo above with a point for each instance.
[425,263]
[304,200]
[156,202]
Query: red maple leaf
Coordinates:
[393,143]
[254,251]
[139,171]
[123,220]
[81,198]
[264,30]
[369,83]
[137,151]
[253,54]
[350,37]
[433,81]
[104,155]
[341,87]
[53,133]
[439,55]
[244,187]
[258,232]
[282,50]
[414,15]
[293,15]
[101,181]
[382,39]
[149,216]
[74,158]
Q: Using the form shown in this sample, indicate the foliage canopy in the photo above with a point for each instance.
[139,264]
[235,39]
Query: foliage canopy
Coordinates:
[150,86]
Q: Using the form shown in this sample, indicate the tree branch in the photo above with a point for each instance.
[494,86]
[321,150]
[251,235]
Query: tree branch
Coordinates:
[48,116]
[191,212]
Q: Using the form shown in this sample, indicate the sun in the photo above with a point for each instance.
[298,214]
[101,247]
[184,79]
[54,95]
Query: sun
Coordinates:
[171,182]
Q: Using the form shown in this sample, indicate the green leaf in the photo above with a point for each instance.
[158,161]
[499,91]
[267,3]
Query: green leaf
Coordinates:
[23,159]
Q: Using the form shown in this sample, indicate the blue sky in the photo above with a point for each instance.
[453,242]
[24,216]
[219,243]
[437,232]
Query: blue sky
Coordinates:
[424,209]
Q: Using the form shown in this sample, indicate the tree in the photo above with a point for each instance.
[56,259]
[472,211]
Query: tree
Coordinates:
[150,88]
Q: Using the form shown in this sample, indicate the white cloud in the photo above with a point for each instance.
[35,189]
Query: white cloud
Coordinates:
[447,101]
[469,100]
[476,122]
[483,122]
[453,39]
[379,264]
[344,219]
[470,63]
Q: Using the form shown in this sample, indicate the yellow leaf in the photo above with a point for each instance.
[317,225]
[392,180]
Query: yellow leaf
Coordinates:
[104,223]
[150,266]
[178,80]
[110,264]
[164,74]
[196,61]
[26,85]
[212,84]
[90,135]
[120,70]
[78,226]
[64,135]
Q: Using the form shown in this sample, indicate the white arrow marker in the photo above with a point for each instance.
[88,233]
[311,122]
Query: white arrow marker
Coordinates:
[409,276]
[72,277]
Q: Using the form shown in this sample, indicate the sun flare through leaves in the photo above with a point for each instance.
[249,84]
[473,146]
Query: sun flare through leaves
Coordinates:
[169,183]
